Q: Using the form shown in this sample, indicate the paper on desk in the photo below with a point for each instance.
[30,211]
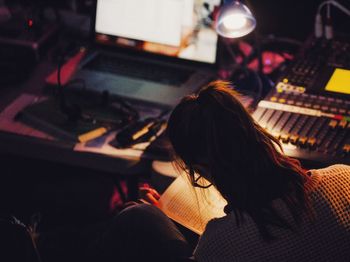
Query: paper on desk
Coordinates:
[7,117]
[101,145]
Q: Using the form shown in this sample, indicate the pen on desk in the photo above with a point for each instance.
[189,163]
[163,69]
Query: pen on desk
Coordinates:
[92,134]
[141,131]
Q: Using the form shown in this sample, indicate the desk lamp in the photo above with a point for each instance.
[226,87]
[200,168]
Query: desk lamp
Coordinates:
[234,20]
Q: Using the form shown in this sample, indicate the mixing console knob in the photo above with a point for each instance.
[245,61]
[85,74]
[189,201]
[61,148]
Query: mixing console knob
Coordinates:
[293,139]
[324,108]
[311,142]
[346,148]
[302,141]
[343,124]
[276,134]
[285,138]
[333,124]
[290,102]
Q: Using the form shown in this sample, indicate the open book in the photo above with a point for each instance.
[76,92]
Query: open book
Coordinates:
[190,206]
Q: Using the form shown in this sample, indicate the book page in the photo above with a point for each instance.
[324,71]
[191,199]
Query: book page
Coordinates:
[190,206]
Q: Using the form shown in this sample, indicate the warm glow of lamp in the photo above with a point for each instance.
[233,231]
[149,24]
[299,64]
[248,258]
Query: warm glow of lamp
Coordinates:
[235,20]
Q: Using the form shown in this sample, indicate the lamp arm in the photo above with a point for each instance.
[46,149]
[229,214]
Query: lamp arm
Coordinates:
[335,4]
[318,18]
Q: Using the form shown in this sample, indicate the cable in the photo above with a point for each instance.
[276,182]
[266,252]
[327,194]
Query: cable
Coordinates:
[73,112]
[328,27]
[318,26]
[335,4]
[83,111]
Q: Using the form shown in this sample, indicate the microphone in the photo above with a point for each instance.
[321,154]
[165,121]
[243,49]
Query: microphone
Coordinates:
[328,27]
[318,26]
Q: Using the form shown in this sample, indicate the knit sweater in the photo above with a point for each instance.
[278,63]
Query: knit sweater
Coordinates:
[325,238]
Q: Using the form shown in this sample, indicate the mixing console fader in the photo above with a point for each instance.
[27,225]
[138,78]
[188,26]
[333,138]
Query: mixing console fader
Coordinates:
[315,64]
[309,109]
[310,127]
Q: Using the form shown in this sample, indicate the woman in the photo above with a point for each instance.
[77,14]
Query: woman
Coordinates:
[277,211]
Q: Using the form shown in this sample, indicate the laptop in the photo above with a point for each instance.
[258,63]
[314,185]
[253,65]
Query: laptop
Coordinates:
[154,51]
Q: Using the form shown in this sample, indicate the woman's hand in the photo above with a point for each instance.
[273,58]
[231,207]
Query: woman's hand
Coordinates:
[149,195]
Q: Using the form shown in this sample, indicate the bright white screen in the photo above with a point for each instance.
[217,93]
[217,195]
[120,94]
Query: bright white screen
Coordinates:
[157,21]
[171,23]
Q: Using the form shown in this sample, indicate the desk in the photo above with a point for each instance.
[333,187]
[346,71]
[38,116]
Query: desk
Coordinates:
[58,151]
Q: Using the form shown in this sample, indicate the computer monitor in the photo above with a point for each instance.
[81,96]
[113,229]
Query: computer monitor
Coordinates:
[177,28]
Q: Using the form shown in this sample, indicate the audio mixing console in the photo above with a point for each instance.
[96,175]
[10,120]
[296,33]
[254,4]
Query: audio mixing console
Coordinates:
[309,108]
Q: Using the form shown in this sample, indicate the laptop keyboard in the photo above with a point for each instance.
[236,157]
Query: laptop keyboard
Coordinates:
[139,69]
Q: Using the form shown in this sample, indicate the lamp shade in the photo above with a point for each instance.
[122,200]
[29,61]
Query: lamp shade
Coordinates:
[235,20]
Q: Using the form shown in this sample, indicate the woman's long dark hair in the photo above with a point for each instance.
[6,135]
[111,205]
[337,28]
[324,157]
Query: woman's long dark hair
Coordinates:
[246,164]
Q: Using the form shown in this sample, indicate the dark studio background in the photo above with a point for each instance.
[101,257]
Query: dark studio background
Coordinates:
[291,19]
[287,18]
[294,19]
[87,192]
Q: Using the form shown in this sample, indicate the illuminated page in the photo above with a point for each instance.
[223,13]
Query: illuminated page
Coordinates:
[191,207]
[158,21]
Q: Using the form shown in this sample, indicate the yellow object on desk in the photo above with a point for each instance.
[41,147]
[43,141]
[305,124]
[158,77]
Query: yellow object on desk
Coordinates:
[339,82]
[92,134]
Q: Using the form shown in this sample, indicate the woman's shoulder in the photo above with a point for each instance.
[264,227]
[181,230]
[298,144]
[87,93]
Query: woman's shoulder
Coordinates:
[333,185]
[332,170]
[327,174]
[223,239]
[227,227]
[218,223]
